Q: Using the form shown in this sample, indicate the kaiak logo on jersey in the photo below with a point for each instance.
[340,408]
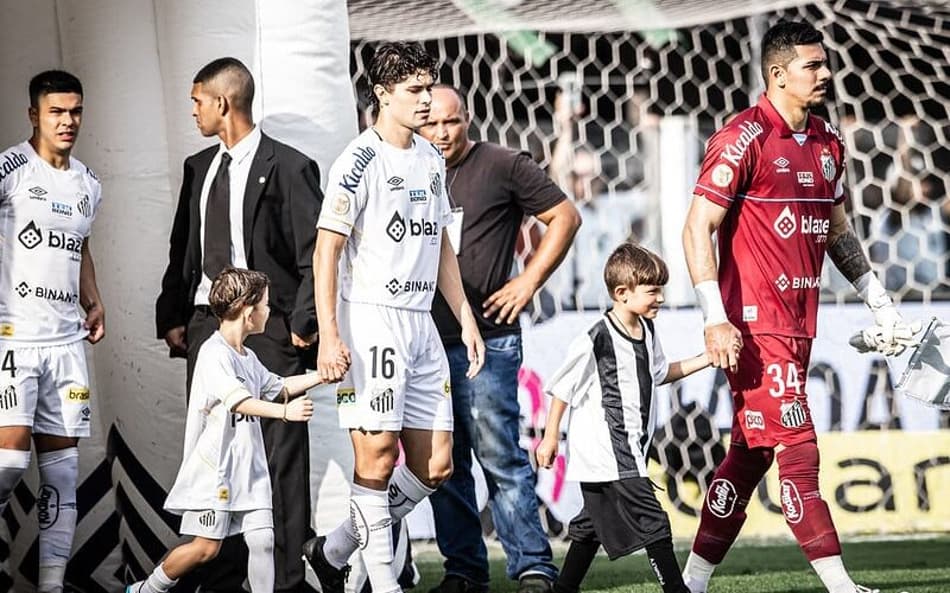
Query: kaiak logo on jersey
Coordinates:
[734,152]
[30,236]
[37,193]
[61,209]
[784,283]
[721,498]
[11,163]
[361,159]
[84,206]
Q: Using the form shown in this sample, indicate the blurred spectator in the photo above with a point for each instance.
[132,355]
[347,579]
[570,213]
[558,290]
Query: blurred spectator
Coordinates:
[610,217]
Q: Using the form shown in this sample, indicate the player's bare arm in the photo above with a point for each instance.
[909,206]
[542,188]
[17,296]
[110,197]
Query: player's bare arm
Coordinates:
[333,356]
[844,248]
[296,410]
[723,340]
[507,302]
[450,285]
[89,296]
[547,448]
[686,367]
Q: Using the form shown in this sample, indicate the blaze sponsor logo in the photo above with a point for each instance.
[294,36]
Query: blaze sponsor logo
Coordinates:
[47,506]
[37,193]
[60,240]
[781,165]
[784,225]
[817,227]
[77,393]
[11,162]
[383,401]
[792,506]
[417,196]
[783,282]
[793,415]
[362,157]
[345,397]
[754,420]
[399,227]
[8,399]
[721,498]
[734,152]
[30,236]
[396,229]
[806,178]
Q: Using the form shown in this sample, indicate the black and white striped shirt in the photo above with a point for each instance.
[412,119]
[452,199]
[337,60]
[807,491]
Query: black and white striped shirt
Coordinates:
[608,381]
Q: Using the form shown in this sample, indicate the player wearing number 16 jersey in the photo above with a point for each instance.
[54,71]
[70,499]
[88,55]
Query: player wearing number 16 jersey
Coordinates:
[383,238]
[47,204]
[771,186]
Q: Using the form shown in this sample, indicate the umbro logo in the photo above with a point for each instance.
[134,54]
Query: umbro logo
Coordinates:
[781,164]
[37,193]
[396,183]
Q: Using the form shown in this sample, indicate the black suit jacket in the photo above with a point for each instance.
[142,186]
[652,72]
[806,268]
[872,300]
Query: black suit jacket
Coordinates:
[282,202]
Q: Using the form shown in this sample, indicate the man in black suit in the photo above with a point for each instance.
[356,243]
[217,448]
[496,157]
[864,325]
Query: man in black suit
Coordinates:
[249,202]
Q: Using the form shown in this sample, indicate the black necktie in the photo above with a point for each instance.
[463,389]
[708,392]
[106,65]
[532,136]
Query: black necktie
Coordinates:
[218,221]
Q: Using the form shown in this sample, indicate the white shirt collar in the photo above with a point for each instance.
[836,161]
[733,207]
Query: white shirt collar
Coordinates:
[244,148]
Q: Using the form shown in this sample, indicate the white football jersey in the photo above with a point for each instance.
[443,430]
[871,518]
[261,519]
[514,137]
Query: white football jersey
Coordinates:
[608,380]
[224,465]
[393,206]
[45,215]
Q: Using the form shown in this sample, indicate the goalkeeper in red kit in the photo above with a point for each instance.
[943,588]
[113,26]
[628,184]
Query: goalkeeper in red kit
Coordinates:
[771,187]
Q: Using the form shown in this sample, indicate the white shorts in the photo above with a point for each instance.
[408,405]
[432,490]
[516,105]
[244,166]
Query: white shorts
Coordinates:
[399,377]
[213,524]
[46,388]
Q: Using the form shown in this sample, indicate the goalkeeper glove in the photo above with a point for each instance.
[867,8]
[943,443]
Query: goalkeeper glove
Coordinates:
[890,335]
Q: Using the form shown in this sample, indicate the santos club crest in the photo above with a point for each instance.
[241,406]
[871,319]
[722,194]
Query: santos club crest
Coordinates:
[827,164]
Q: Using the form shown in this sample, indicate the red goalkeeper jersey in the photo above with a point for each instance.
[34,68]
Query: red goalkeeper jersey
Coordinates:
[779,187]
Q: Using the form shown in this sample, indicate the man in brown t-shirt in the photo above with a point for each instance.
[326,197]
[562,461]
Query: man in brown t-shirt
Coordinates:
[492,188]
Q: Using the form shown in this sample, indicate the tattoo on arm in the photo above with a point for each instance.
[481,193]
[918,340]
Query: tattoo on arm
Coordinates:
[848,256]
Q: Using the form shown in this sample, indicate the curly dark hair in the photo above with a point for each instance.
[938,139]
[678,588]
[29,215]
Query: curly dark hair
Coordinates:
[396,61]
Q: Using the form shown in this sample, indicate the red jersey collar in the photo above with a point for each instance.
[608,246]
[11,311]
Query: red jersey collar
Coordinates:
[778,122]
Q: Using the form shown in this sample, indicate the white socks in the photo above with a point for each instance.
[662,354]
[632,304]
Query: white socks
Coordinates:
[833,575]
[405,492]
[158,581]
[697,572]
[56,514]
[372,524]
[13,464]
[260,562]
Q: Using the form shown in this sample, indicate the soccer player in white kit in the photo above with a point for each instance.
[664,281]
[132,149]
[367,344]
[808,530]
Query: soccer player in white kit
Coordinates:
[48,201]
[382,240]
[223,486]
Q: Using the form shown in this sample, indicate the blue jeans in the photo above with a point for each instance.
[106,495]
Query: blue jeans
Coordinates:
[487,422]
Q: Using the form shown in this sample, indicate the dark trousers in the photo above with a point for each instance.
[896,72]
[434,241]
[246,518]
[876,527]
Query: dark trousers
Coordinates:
[288,458]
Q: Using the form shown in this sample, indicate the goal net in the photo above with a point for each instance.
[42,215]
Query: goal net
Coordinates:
[615,99]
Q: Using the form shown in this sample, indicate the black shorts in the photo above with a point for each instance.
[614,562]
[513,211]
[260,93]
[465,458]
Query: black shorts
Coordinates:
[623,516]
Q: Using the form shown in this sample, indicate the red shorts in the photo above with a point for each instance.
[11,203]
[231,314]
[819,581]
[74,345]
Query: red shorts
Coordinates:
[768,392]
